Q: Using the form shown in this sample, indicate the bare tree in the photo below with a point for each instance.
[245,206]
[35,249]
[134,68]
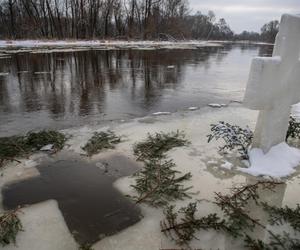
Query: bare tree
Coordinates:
[143,19]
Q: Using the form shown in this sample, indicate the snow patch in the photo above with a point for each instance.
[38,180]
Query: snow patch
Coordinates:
[212,162]
[280,161]
[227,165]
[30,163]
[162,113]
[48,147]
[296,110]
[193,108]
[217,105]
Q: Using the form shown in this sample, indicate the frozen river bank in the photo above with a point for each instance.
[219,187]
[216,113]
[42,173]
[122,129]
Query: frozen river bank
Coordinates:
[200,158]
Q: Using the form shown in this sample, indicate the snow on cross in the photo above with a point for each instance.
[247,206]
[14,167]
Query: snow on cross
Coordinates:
[274,85]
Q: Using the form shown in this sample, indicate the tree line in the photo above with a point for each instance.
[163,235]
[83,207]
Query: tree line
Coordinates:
[118,19]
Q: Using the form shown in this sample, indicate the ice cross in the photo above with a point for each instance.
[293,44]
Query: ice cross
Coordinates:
[91,206]
[274,85]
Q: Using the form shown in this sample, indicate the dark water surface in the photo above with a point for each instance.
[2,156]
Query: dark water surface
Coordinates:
[91,206]
[60,90]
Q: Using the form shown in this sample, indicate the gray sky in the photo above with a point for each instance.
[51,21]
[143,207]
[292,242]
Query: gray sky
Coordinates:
[248,15]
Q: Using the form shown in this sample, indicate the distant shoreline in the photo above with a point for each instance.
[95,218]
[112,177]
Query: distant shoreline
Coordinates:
[113,44]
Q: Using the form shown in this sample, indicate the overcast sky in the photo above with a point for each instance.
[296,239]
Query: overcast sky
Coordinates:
[248,15]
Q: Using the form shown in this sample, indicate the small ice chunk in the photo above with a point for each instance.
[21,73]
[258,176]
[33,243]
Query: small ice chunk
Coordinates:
[246,163]
[212,162]
[171,67]
[193,108]
[102,166]
[162,113]
[41,72]
[29,163]
[215,105]
[19,174]
[279,162]
[227,165]
[48,147]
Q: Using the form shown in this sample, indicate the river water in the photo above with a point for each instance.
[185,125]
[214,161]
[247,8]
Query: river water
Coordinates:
[65,89]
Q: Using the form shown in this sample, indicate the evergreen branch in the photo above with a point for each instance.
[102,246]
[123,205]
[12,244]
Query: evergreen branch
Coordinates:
[10,225]
[277,216]
[100,141]
[21,146]
[277,242]
[293,129]
[236,221]
[186,227]
[234,137]
[155,146]
[158,182]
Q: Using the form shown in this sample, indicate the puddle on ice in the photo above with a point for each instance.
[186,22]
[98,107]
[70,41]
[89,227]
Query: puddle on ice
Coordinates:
[91,206]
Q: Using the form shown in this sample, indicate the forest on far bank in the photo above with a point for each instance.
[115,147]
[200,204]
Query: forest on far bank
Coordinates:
[117,19]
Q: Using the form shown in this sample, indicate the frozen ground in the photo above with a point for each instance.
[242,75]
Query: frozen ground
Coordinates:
[45,229]
[211,173]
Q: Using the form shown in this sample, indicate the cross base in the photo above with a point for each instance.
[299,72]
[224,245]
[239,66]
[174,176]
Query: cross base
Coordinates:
[271,127]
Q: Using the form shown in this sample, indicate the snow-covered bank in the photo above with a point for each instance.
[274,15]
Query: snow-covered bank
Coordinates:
[245,42]
[103,44]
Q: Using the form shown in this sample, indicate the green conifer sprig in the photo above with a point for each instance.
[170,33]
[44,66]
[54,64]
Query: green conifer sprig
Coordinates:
[86,246]
[278,242]
[10,226]
[234,205]
[281,215]
[155,146]
[21,146]
[234,137]
[182,226]
[158,183]
[240,139]
[293,129]
[101,141]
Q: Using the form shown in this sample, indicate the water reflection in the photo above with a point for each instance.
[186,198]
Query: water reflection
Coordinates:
[43,90]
